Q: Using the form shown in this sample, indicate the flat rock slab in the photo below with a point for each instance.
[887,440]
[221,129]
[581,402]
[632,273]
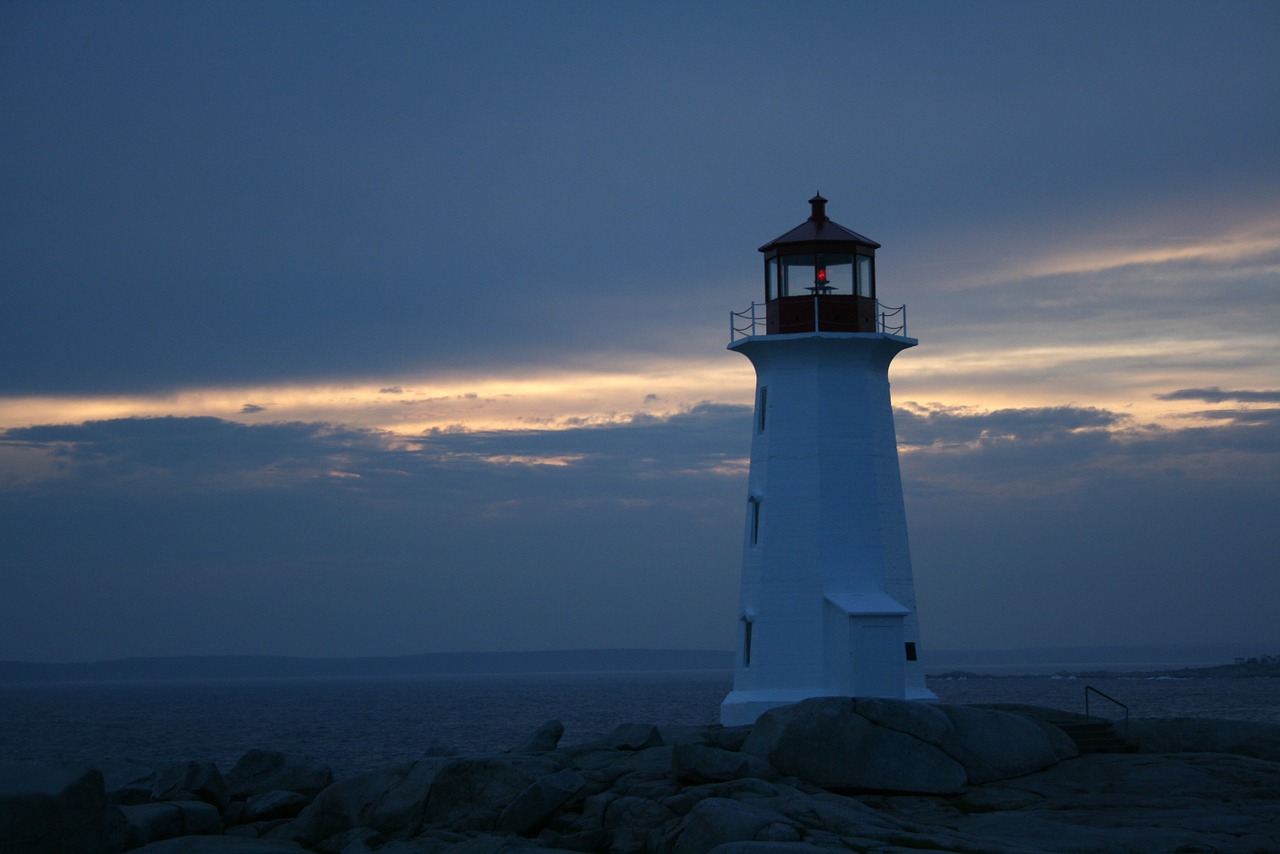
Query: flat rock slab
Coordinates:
[1202,735]
[1115,802]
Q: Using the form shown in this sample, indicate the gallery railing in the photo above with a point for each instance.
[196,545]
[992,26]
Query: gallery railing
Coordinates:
[754,320]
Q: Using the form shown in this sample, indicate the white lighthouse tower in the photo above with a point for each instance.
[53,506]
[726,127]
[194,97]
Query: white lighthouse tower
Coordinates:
[828,602]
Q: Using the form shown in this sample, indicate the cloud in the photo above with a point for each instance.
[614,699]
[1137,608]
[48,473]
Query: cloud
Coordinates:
[315,533]
[949,425]
[1038,526]
[1061,526]
[1217,395]
[1257,242]
[251,408]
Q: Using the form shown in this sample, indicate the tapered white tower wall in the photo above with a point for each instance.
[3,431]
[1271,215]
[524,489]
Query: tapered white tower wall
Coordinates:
[828,601]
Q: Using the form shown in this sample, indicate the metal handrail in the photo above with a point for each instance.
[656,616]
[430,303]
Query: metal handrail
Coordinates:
[1090,688]
[898,315]
[889,320]
[745,323]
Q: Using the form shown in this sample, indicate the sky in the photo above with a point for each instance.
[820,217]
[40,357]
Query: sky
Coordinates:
[387,328]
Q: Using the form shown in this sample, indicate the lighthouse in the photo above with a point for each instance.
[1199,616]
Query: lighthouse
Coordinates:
[827,606]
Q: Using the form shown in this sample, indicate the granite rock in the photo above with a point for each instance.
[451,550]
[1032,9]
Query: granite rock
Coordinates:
[544,739]
[698,763]
[1200,735]
[185,781]
[260,771]
[694,794]
[895,745]
[281,803]
[50,809]
[220,845]
[169,819]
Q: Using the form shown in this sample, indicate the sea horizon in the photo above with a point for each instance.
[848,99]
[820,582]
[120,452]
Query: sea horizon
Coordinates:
[1032,661]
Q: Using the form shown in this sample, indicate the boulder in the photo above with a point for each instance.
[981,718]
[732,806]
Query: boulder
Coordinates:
[716,821]
[545,739]
[630,823]
[400,808]
[728,737]
[184,781]
[768,848]
[54,809]
[469,794]
[634,737]
[827,742]
[697,763]
[272,805]
[127,781]
[153,822]
[220,845]
[903,746]
[260,771]
[346,804]
[544,796]
[995,745]
[391,801]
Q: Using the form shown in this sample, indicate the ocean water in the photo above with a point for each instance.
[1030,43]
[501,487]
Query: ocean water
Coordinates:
[360,724]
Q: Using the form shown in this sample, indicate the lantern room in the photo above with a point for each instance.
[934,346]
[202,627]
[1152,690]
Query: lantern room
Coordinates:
[820,277]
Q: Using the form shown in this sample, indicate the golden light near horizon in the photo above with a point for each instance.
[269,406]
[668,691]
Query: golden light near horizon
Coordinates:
[1124,376]
[550,399]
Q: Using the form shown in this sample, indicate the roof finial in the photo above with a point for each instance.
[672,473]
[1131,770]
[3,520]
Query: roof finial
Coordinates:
[819,205]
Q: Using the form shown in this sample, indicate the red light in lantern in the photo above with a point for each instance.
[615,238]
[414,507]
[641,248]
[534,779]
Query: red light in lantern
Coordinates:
[821,277]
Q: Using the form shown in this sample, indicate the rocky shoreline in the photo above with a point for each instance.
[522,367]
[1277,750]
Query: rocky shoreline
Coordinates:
[826,774]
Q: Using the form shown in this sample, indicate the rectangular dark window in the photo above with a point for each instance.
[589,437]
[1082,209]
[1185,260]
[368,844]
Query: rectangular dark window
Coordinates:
[762,401]
[911,651]
[746,642]
[755,521]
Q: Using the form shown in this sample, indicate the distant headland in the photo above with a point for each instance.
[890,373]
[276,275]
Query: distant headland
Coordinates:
[1262,666]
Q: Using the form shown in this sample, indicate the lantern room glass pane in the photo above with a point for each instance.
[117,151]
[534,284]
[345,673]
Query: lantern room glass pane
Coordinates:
[866,277]
[801,275]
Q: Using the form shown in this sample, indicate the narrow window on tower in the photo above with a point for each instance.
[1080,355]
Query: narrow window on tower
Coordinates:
[754,525]
[762,401]
[746,642]
[911,651]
